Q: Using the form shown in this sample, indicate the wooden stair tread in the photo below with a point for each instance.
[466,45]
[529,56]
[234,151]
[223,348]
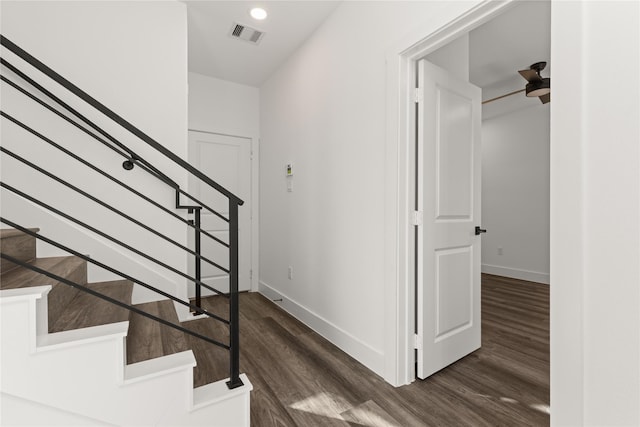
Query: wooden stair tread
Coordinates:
[71,268]
[148,339]
[87,310]
[23,277]
[6,233]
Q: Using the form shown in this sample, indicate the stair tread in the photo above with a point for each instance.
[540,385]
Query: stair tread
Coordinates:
[23,277]
[148,339]
[87,310]
[6,233]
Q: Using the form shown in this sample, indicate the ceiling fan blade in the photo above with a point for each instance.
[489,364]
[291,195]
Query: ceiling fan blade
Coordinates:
[545,98]
[530,75]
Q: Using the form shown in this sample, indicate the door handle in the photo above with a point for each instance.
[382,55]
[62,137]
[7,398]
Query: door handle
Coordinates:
[480,230]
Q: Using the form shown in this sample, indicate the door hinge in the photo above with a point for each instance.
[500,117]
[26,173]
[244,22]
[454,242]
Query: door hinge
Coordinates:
[417,95]
[250,273]
[417,218]
[417,343]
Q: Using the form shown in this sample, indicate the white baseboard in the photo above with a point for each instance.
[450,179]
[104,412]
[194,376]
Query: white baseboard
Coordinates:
[531,276]
[362,352]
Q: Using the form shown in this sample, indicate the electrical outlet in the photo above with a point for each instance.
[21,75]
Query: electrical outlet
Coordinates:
[290,273]
[499,250]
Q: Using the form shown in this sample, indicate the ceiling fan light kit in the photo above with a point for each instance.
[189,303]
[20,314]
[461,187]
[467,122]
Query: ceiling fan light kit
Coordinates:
[539,88]
[537,85]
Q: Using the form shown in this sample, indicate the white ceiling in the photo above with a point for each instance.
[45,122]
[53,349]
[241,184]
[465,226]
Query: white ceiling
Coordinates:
[512,41]
[498,49]
[214,53]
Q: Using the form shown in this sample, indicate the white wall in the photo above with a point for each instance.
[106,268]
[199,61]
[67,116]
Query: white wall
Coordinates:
[17,411]
[224,107]
[595,214]
[453,57]
[228,108]
[324,110]
[131,56]
[515,194]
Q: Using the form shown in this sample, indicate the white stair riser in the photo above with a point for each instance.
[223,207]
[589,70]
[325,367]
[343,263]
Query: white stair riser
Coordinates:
[85,375]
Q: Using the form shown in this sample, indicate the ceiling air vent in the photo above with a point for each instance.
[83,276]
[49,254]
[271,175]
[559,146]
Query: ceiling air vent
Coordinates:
[248,34]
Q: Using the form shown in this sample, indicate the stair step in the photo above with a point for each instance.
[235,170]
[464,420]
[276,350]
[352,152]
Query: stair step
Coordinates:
[148,339]
[69,267]
[18,245]
[213,361]
[86,310]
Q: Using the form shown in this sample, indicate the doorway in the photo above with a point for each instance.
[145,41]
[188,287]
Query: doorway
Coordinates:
[447,185]
[227,160]
[400,234]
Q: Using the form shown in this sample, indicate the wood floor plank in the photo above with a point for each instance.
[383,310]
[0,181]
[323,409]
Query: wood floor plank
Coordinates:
[266,407]
[324,406]
[254,308]
[371,415]
[440,401]
[301,379]
[371,385]
[286,371]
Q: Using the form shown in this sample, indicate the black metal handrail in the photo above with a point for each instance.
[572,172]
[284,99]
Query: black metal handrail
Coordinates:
[115,145]
[131,158]
[115,117]
[103,173]
[112,209]
[102,233]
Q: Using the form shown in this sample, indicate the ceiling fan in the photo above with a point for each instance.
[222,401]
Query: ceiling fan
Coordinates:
[537,85]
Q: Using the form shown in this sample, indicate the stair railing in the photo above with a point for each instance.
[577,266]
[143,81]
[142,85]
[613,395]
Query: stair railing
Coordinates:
[131,159]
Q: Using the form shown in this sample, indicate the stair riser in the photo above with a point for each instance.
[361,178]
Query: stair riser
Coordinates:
[85,374]
[87,310]
[22,247]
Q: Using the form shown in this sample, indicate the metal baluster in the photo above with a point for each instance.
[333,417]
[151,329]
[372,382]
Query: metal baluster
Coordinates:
[234,326]
[198,260]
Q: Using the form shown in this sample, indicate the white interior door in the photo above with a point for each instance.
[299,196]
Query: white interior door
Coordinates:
[226,160]
[448,260]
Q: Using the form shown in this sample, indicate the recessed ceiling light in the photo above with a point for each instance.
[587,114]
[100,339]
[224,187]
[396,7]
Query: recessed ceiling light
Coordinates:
[258,13]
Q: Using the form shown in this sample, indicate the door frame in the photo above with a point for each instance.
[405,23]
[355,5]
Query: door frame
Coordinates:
[255,200]
[401,59]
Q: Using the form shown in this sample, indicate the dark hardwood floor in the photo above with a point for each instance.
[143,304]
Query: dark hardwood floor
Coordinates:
[300,379]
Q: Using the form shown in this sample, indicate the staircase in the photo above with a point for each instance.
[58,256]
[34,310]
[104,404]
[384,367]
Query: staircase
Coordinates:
[93,361]
[81,353]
